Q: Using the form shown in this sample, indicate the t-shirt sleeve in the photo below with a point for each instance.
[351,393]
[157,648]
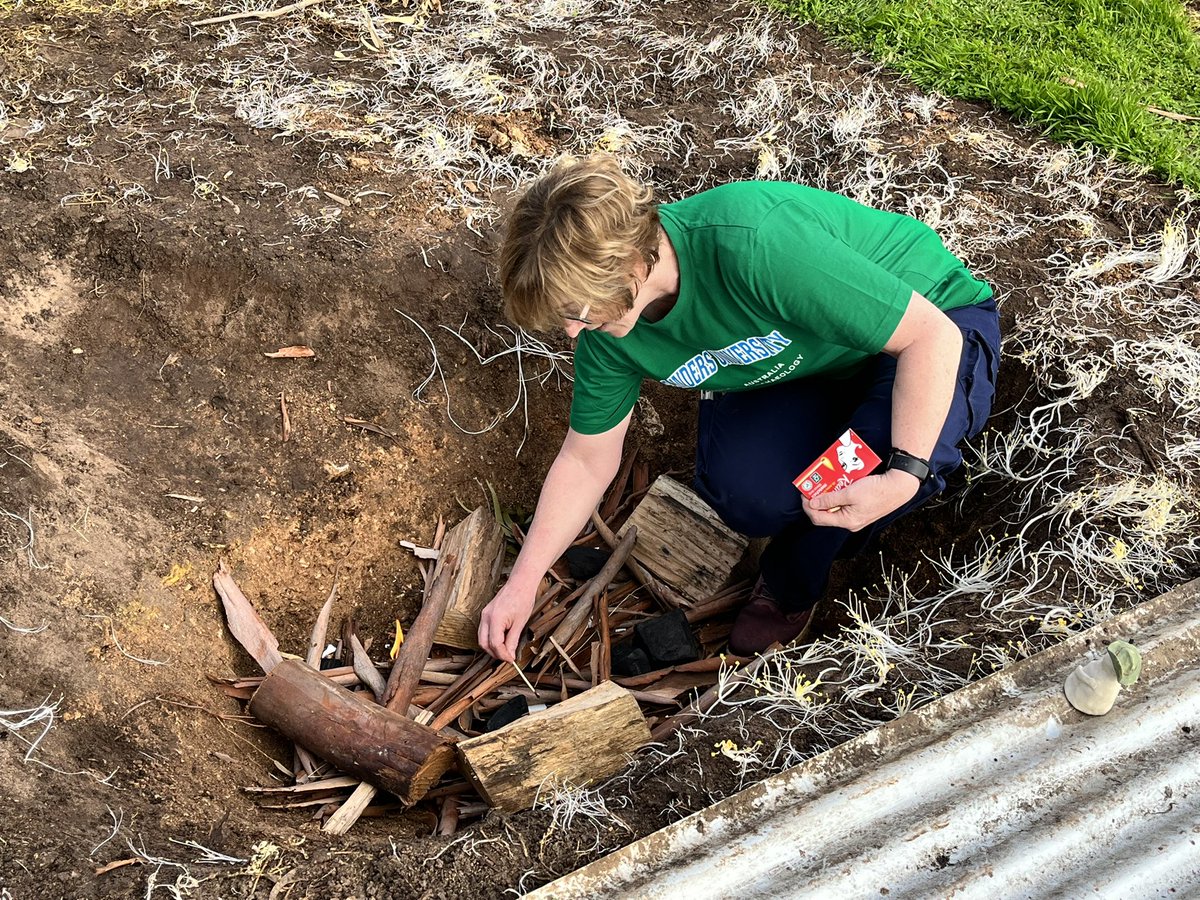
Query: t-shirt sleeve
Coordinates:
[605,391]
[809,276]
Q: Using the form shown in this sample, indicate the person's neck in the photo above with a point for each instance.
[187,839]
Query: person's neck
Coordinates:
[662,286]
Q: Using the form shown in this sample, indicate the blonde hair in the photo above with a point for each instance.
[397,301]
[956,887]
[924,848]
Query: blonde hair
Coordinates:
[572,242]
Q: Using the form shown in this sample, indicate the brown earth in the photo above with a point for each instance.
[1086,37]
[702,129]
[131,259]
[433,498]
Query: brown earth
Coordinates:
[135,308]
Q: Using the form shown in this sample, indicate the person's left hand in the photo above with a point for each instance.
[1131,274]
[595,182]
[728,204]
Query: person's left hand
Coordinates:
[867,500]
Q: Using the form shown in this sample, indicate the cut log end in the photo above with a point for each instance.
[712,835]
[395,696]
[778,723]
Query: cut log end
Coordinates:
[383,748]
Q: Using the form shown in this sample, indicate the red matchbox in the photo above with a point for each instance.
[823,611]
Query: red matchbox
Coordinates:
[846,461]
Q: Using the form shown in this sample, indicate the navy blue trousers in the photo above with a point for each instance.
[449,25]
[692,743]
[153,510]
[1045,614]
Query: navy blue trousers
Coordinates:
[752,444]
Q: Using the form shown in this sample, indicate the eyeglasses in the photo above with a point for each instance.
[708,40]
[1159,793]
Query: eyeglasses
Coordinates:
[582,318]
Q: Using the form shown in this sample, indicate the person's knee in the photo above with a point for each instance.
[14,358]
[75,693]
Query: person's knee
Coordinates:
[752,515]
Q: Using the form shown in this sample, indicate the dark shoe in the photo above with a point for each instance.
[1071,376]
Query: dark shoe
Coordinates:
[762,622]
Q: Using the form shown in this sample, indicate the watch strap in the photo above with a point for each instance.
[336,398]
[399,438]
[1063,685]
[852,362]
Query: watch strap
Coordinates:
[906,462]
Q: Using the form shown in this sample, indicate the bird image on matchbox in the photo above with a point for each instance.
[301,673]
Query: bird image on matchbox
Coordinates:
[847,460]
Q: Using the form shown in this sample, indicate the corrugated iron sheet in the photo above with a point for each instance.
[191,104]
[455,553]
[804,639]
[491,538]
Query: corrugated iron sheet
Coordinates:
[999,790]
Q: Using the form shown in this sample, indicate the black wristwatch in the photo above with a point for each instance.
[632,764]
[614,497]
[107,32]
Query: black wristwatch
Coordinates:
[906,462]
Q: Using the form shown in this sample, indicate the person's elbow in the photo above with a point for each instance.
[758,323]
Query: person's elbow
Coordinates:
[595,456]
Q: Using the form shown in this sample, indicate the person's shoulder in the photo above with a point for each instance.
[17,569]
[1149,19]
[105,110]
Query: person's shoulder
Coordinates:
[735,204]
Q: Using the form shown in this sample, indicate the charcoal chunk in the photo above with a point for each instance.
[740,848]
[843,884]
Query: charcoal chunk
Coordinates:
[585,562]
[628,660]
[511,711]
[667,640]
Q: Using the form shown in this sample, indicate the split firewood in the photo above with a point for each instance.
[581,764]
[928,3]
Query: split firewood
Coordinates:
[578,615]
[578,741]
[245,624]
[682,542]
[478,543]
[387,749]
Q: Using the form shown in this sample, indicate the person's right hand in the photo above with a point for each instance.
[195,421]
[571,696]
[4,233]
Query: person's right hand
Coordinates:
[503,620]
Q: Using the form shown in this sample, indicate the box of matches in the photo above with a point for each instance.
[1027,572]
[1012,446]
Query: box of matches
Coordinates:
[847,460]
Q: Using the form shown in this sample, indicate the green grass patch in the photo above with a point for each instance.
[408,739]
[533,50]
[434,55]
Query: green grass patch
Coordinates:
[1084,70]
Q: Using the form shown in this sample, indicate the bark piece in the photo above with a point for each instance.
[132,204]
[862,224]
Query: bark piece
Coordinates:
[682,542]
[245,623]
[478,544]
[578,741]
[382,747]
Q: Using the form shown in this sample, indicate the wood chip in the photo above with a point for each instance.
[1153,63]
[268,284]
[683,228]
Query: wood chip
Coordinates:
[298,351]
[367,426]
[117,864]
[287,422]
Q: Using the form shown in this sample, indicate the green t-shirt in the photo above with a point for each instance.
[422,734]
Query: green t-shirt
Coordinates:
[776,281]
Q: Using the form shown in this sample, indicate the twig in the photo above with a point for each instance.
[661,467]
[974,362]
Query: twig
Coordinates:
[578,615]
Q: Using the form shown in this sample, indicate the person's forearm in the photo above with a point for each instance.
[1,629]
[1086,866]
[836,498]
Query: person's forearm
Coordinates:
[569,495]
[926,372]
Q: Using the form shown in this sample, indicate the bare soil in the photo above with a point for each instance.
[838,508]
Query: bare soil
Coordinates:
[140,430]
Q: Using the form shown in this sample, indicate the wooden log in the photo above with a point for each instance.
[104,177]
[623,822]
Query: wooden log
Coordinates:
[245,623]
[578,742]
[682,542]
[666,597]
[414,652]
[382,747]
[478,543]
